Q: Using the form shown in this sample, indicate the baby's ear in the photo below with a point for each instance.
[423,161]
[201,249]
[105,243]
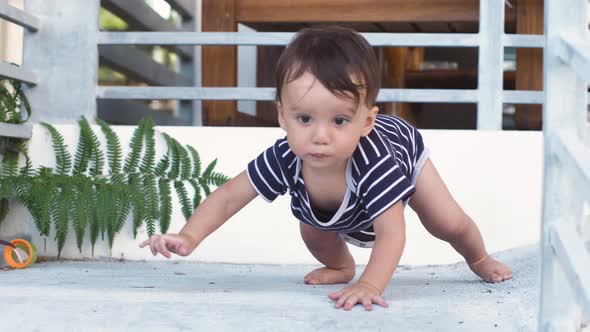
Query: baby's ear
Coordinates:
[281,118]
[370,120]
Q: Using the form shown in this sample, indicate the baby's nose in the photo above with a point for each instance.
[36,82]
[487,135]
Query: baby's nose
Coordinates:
[321,135]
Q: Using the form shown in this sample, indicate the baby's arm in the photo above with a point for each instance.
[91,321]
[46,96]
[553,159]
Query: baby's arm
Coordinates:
[213,212]
[390,239]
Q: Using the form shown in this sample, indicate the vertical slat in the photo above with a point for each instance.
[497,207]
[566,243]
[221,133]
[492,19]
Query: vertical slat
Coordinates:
[565,100]
[192,108]
[219,15]
[529,62]
[491,50]
[64,55]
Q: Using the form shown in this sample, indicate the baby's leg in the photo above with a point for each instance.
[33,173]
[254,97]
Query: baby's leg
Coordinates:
[443,217]
[330,250]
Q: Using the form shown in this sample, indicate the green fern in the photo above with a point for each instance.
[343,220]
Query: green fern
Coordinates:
[165,205]
[183,198]
[3,209]
[62,156]
[114,151]
[83,197]
[136,148]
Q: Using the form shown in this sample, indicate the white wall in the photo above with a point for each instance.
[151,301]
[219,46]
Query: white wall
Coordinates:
[496,177]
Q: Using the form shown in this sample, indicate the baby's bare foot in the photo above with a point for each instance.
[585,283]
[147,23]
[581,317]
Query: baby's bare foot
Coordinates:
[491,270]
[325,276]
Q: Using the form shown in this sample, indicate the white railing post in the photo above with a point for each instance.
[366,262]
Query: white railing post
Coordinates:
[563,276]
[63,54]
[490,63]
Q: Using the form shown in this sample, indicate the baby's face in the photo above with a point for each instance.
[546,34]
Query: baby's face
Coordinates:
[322,129]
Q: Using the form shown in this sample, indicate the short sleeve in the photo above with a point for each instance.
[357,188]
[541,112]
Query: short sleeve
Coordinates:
[266,175]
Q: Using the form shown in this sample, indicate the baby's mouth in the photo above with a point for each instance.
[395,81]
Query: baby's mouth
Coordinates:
[319,155]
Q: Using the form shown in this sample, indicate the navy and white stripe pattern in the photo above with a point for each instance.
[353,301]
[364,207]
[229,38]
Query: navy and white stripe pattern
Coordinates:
[378,175]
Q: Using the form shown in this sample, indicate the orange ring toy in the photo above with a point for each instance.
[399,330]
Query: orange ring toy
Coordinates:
[11,257]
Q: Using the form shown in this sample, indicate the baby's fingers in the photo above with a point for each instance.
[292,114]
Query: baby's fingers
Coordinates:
[377,299]
[367,303]
[163,249]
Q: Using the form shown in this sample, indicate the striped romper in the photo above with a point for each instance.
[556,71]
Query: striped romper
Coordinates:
[382,171]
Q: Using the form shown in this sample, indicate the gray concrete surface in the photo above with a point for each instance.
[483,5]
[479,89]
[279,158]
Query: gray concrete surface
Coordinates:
[106,295]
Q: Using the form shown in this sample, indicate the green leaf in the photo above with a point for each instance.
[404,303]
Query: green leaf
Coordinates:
[196,162]
[165,205]
[62,156]
[136,146]
[147,165]
[114,151]
[3,209]
[183,199]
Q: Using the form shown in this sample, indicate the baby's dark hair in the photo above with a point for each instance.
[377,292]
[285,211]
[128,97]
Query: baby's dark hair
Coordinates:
[340,58]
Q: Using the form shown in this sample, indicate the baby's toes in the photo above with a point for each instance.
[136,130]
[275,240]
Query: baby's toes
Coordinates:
[494,277]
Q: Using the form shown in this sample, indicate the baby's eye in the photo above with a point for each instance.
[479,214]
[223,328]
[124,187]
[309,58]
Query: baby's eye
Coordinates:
[340,121]
[304,118]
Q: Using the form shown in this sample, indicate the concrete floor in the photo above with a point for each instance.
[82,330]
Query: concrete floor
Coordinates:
[107,295]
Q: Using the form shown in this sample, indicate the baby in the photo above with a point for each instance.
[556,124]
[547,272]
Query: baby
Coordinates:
[350,173]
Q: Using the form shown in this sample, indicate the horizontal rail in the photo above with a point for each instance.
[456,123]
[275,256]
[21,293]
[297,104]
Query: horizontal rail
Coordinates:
[283,38]
[17,73]
[575,157]
[191,93]
[19,17]
[523,41]
[24,130]
[277,38]
[385,95]
[573,256]
[575,52]
[522,97]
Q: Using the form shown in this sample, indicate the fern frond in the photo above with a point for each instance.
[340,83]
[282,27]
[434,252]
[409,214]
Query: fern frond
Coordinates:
[197,190]
[84,149]
[163,165]
[27,169]
[97,158]
[165,205]
[209,169]
[3,209]
[136,146]
[185,203]
[185,162]
[216,179]
[10,164]
[174,156]
[151,202]
[137,201]
[123,207]
[79,215]
[205,187]
[43,194]
[114,151]
[92,215]
[60,213]
[196,162]
[62,156]
[111,214]
[147,165]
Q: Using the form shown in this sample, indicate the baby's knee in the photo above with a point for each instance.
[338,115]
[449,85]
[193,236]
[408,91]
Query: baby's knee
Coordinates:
[452,226]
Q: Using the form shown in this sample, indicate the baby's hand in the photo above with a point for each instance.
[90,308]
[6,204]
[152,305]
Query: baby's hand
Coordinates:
[168,243]
[360,292]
